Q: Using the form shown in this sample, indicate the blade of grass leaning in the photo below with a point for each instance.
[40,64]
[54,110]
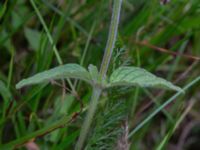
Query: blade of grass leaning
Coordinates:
[154,113]
[74,23]
[4,91]
[19,142]
[177,123]
[157,103]
[86,49]
[10,73]
[50,39]
[3,9]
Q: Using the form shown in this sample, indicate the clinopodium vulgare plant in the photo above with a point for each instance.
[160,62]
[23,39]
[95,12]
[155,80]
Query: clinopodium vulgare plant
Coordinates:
[123,76]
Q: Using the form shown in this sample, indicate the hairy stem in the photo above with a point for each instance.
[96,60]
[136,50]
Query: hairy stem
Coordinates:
[111,37]
[88,120]
[104,67]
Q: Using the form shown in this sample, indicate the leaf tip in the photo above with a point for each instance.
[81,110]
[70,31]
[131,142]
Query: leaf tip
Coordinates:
[177,88]
[18,86]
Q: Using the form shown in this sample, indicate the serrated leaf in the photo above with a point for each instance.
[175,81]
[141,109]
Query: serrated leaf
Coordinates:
[134,76]
[65,71]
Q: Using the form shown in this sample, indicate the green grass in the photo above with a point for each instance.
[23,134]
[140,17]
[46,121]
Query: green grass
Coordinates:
[37,35]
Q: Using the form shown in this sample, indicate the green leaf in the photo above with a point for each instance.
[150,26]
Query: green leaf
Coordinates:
[3,9]
[65,71]
[95,75]
[94,72]
[33,37]
[134,76]
[4,91]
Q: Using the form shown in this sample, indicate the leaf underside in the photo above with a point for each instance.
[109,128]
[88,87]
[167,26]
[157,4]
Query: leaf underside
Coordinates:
[134,76]
[65,71]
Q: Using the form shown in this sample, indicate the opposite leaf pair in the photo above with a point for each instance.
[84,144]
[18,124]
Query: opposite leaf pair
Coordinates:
[123,76]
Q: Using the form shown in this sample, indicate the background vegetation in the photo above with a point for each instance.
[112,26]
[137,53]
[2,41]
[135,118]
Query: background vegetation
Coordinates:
[162,38]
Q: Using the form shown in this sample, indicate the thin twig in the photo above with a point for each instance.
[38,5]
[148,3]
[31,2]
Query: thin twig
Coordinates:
[74,93]
[164,50]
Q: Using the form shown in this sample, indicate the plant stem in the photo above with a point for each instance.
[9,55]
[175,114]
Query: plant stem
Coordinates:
[111,37]
[88,120]
[104,68]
